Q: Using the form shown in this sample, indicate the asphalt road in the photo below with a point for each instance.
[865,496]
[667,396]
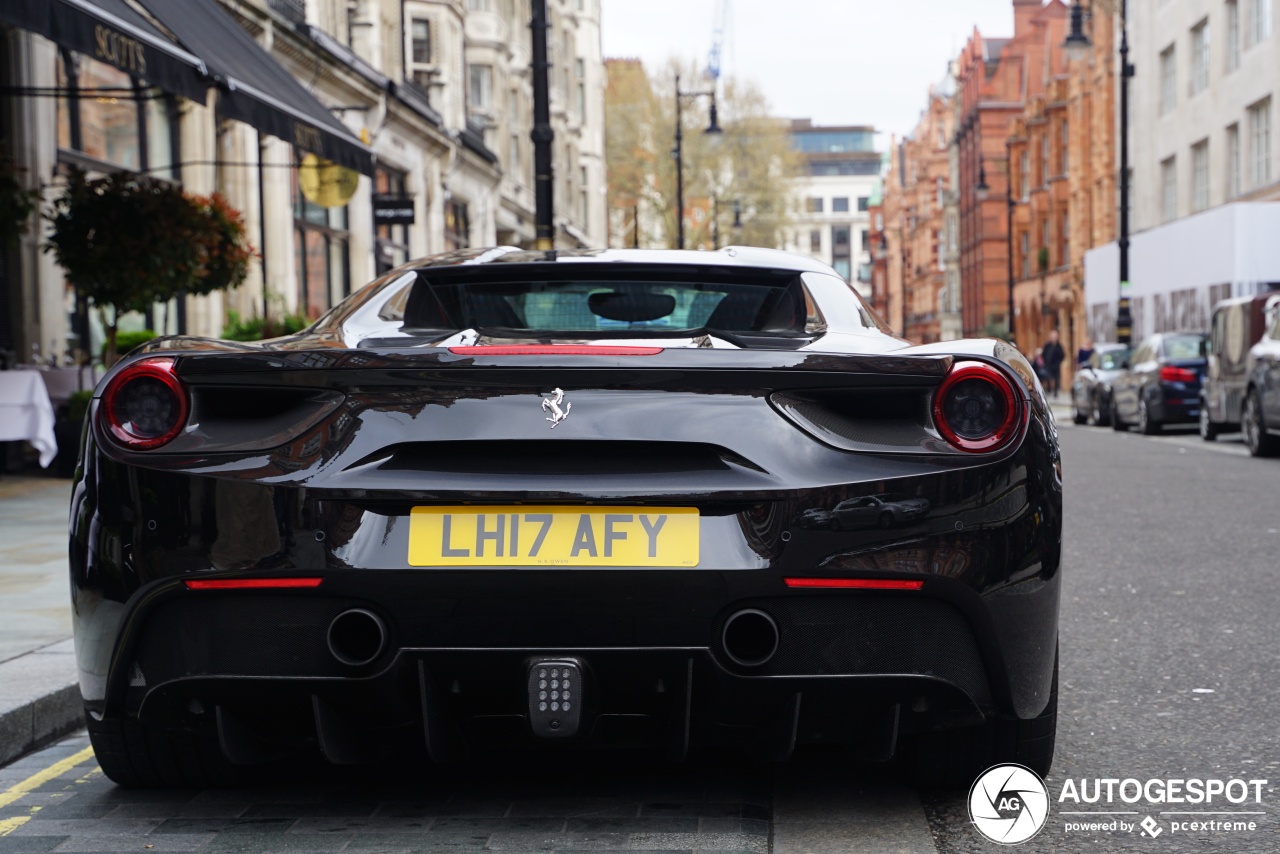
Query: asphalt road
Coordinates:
[1169,641]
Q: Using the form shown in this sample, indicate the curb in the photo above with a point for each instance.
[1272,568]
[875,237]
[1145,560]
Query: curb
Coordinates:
[39,699]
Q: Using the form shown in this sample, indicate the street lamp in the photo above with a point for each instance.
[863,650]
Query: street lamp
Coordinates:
[1076,44]
[678,152]
[1010,205]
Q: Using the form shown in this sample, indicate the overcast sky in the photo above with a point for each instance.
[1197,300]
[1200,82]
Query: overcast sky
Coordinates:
[834,61]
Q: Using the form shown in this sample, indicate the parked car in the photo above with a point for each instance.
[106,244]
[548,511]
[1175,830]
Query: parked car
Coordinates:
[868,511]
[1237,325]
[1162,384]
[1091,388]
[1261,413]
[545,500]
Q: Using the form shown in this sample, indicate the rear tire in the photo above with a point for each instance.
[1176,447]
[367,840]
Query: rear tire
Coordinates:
[1147,425]
[1116,424]
[1100,417]
[1208,430]
[137,756]
[1260,442]
[955,759]
[1078,417]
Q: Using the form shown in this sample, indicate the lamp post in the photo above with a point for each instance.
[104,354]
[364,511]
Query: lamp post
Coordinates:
[678,151]
[1076,44]
[1010,206]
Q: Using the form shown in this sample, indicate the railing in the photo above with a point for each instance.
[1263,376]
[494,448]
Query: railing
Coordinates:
[293,10]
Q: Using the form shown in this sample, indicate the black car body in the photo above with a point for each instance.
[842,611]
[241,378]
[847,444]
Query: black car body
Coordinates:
[1236,326]
[1260,412]
[507,498]
[1162,384]
[1091,387]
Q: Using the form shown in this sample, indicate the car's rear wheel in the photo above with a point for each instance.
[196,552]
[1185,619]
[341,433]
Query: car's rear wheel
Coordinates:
[1116,424]
[1147,425]
[955,759]
[1099,414]
[1260,442]
[139,756]
[1078,417]
[1208,430]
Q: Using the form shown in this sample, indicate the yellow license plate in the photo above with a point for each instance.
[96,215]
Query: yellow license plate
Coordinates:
[553,536]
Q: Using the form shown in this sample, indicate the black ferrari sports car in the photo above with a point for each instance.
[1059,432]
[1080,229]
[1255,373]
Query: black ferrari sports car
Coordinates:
[507,499]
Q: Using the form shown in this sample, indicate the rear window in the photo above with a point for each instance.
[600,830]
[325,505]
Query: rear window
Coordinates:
[1182,346]
[603,302]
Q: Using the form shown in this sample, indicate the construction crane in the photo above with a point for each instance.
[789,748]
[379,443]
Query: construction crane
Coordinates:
[717,40]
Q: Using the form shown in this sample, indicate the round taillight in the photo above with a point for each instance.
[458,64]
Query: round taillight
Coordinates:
[976,408]
[145,405]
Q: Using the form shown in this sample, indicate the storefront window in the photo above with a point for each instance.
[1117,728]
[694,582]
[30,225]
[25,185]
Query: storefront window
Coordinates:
[457,226]
[392,244]
[321,255]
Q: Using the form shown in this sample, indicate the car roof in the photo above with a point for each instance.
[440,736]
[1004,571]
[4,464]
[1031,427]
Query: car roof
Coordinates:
[729,257]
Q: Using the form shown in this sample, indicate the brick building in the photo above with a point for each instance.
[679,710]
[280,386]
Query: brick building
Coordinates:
[996,80]
[917,189]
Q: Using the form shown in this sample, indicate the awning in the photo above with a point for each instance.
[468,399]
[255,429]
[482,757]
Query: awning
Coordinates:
[113,32]
[255,89]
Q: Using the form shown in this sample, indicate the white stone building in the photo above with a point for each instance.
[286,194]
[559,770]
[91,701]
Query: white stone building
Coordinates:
[831,221]
[430,100]
[1204,99]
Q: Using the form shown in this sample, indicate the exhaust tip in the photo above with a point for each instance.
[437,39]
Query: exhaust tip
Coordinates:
[357,637]
[750,637]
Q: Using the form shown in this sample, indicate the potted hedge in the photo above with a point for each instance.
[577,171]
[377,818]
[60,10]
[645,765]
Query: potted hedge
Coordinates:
[128,241]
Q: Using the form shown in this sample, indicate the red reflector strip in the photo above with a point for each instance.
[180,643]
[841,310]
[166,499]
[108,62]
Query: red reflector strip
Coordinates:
[552,350]
[856,583]
[249,583]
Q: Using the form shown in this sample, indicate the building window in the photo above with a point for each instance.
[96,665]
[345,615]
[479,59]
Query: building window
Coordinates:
[1233,161]
[1200,57]
[815,242]
[1168,80]
[840,238]
[1025,245]
[581,68]
[939,192]
[391,245]
[321,254]
[1200,176]
[582,195]
[1024,176]
[457,226]
[813,204]
[1169,189]
[480,88]
[1257,21]
[1233,35]
[478,5]
[840,204]
[1045,165]
[1064,143]
[115,121]
[862,203]
[421,40]
[1260,143]
[1066,238]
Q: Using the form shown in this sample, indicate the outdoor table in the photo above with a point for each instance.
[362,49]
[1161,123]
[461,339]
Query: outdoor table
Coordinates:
[26,413]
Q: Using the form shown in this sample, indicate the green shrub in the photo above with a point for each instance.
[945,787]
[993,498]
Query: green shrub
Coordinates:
[78,405]
[254,329]
[126,341]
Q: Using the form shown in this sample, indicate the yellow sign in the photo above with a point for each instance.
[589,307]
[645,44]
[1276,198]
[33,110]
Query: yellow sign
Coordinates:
[325,183]
[553,536]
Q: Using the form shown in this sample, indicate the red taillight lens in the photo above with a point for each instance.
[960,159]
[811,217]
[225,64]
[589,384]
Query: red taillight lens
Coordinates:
[145,405]
[976,408]
[1174,374]
[552,350]
[251,583]
[854,583]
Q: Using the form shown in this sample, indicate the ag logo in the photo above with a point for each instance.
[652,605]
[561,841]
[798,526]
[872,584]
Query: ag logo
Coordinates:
[1008,804]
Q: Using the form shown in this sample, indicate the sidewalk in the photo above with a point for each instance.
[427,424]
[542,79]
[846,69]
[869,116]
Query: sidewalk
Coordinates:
[39,698]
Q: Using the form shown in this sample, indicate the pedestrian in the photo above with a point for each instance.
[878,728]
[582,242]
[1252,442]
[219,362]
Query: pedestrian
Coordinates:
[1037,365]
[1085,353]
[1053,356]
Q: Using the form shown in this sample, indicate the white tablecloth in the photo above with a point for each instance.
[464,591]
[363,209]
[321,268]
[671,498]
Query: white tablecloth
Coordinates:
[61,382]
[25,412]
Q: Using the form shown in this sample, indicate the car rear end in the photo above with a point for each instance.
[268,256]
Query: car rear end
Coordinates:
[577,543]
[1180,375]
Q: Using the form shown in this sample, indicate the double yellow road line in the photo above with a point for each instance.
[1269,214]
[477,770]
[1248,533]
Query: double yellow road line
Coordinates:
[35,781]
